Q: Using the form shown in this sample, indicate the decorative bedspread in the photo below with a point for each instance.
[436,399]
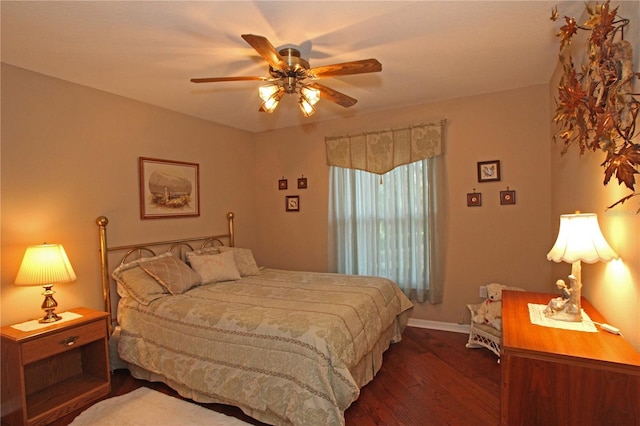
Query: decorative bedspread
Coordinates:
[286,347]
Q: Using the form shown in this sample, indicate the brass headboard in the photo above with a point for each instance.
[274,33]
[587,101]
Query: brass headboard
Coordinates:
[138,249]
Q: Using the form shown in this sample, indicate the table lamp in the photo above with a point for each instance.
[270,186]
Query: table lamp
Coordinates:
[46,265]
[579,240]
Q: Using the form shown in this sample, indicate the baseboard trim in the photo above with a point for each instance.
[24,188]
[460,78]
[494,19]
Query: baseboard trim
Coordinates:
[439,325]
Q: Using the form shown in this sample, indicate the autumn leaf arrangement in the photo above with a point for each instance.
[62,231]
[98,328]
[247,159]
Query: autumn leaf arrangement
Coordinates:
[596,107]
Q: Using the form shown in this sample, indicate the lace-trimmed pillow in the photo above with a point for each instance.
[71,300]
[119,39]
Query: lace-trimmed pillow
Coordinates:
[206,250]
[245,261]
[134,282]
[214,267]
[172,273]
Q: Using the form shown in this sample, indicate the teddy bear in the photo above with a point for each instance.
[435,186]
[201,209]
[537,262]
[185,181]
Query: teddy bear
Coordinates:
[490,311]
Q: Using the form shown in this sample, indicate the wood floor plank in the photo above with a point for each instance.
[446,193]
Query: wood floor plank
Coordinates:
[429,378]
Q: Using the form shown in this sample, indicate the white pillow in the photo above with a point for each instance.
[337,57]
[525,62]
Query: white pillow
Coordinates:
[214,268]
[245,262]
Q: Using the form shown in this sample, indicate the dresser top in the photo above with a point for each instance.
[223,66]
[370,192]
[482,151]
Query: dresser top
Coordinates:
[520,336]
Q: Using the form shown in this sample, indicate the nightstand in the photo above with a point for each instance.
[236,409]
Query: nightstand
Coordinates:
[52,371]
[552,376]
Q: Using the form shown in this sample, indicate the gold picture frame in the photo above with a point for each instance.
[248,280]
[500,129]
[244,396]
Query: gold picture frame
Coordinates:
[168,189]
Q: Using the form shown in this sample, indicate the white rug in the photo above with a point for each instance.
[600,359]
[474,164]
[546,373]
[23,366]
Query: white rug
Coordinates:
[145,406]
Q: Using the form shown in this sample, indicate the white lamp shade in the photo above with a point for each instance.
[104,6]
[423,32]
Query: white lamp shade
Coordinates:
[580,238]
[45,264]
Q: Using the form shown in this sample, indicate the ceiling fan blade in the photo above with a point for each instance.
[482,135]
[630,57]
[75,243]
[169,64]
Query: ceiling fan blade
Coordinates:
[266,50]
[355,67]
[334,95]
[217,79]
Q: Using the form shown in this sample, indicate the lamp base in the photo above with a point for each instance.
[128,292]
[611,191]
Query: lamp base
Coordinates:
[50,317]
[49,305]
[564,308]
[568,313]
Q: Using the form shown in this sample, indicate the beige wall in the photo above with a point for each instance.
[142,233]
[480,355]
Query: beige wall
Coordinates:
[505,244]
[70,154]
[614,287]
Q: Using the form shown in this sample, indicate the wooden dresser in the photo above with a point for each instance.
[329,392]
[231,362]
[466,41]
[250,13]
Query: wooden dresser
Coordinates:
[552,376]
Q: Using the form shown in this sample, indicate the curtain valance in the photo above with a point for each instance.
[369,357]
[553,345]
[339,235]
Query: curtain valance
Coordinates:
[381,151]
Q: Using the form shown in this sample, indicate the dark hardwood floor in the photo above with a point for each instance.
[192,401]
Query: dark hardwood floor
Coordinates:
[429,378]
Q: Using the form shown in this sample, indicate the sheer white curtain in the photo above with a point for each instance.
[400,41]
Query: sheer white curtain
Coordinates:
[389,225]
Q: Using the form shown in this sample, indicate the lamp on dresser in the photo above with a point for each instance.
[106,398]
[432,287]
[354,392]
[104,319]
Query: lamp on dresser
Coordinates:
[46,265]
[579,240]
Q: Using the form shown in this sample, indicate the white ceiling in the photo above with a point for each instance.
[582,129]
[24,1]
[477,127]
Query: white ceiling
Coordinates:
[148,50]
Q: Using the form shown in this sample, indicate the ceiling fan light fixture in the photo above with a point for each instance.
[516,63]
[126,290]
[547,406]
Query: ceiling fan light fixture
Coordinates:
[288,73]
[265,92]
[271,104]
[312,95]
[306,107]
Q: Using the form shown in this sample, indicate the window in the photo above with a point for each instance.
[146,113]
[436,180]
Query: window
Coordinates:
[388,225]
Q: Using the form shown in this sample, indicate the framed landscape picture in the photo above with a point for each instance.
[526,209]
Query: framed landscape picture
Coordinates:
[168,188]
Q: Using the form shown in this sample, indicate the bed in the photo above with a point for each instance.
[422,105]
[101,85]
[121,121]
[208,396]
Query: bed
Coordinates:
[286,347]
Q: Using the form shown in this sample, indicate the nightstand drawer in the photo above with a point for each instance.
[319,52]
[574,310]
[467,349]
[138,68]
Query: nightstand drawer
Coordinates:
[63,341]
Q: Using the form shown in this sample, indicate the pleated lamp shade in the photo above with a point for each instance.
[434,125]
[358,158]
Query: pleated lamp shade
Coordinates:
[45,264]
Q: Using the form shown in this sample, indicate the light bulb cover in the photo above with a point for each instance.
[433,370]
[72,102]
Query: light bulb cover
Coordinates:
[265,92]
[270,104]
[311,94]
[306,107]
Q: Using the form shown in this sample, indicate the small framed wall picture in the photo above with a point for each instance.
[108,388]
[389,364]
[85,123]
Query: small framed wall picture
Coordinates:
[292,203]
[282,184]
[474,199]
[489,171]
[507,197]
[302,182]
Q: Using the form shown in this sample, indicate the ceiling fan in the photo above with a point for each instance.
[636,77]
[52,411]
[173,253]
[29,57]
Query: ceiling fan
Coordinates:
[289,74]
